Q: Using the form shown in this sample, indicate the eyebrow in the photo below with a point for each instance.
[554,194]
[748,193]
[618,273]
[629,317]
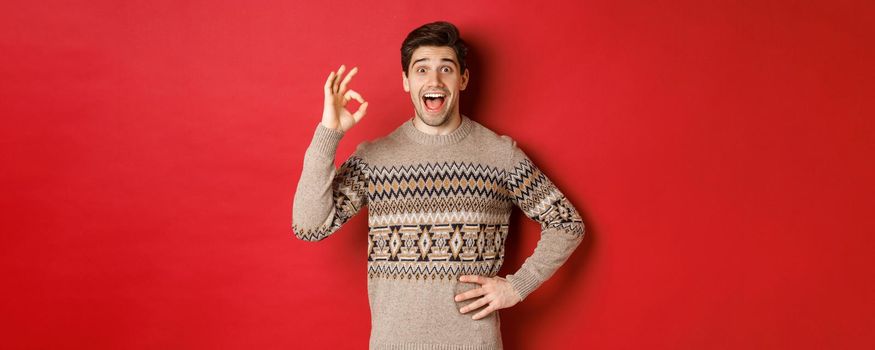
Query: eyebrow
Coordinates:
[442,59]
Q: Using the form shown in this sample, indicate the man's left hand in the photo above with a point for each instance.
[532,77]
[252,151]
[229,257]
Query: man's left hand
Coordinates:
[496,291]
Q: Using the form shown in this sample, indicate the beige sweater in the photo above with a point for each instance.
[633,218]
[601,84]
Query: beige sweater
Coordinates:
[438,208]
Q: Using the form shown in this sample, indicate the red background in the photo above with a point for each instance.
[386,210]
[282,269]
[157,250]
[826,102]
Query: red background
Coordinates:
[720,153]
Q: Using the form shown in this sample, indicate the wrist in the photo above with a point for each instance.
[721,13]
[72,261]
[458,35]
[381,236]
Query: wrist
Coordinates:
[514,289]
[335,127]
[325,140]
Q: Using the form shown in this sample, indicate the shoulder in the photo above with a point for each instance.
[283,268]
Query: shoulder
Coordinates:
[492,139]
[363,148]
[502,145]
[380,150]
[377,146]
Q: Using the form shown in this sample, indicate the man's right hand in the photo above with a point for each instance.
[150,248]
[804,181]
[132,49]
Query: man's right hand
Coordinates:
[335,116]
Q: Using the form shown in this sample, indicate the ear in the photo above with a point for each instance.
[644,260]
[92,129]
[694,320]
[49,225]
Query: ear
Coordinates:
[405,82]
[464,80]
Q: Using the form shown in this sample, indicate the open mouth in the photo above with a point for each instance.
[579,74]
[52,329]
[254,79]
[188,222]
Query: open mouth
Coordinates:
[433,101]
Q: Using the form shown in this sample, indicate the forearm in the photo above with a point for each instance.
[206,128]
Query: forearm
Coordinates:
[326,197]
[553,249]
[562,228]
[314,209]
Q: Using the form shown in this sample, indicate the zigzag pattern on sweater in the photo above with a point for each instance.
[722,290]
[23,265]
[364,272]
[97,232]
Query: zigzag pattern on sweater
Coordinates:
[436,180]
[431,270]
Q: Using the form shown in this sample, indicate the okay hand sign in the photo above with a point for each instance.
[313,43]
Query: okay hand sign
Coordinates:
[334,115]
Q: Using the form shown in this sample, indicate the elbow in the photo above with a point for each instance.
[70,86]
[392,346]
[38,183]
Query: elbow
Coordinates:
[574,230]
[579,232]
[309,234]
[306,229]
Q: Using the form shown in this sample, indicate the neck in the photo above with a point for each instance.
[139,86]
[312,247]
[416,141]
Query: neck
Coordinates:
[457,132]
[447,127]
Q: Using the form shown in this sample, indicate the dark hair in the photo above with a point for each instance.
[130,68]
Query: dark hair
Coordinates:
[438,33]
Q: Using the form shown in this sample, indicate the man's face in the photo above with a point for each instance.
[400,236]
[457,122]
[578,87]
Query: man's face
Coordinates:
[434,82]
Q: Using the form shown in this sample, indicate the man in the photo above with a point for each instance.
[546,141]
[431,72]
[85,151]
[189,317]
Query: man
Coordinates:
[439,189]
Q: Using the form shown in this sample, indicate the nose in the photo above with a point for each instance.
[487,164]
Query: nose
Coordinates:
[434,79]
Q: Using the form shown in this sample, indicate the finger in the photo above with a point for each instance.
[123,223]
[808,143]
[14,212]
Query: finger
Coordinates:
[476,304]
[346,79]
[353,94]
[329,82]
[363,109]
[473,278]
[470,294]
[334,81]
[337,80]
[483,313]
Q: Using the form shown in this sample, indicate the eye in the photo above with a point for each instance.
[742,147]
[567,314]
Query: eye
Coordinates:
[420,70]
[446,69]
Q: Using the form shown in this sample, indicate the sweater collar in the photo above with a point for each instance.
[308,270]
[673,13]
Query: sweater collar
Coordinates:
[454,136]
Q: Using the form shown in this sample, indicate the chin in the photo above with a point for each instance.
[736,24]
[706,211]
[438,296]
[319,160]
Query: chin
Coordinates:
[434,120]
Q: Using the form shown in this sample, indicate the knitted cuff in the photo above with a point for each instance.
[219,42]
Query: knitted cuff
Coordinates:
[325,141]
[523,282]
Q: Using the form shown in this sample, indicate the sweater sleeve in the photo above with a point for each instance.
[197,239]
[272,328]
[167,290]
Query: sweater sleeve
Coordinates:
[327,197]
[562,229]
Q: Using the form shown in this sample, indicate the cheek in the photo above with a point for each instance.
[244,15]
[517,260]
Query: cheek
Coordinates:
[454,82]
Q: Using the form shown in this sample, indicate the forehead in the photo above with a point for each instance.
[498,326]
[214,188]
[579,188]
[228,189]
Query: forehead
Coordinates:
[435,54]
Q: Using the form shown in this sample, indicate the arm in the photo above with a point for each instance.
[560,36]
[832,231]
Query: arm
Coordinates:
[326,197]
[562,229]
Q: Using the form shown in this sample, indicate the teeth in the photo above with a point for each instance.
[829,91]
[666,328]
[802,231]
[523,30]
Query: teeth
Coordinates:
[434,95]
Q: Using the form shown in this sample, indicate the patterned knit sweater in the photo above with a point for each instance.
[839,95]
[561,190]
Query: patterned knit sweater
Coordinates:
[438,208]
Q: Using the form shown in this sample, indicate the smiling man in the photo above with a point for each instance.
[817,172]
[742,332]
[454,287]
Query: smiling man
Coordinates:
[434,84]
[440,189]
